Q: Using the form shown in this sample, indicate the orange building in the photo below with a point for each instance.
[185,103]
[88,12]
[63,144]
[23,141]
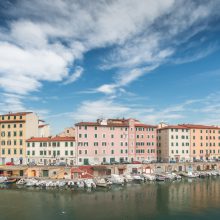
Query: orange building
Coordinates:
[204,142]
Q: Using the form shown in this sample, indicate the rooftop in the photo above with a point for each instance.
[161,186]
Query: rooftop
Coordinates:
[50,139]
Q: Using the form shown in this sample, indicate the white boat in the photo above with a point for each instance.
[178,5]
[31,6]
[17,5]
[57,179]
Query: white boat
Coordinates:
[3,179]
[31,182]
[49,183]
[149,177]
[70,183]
[128,178]
[101,182]
[116,179]
[21,182]
[176,176]
[191,175]
[138,178]
[89,183]
[80,184]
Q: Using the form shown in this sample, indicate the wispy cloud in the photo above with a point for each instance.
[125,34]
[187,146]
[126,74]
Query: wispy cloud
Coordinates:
[75,76]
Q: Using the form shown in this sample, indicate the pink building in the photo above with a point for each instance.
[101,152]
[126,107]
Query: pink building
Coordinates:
[115,140]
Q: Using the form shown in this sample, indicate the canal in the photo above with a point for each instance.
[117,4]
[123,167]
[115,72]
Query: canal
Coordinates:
[187,199]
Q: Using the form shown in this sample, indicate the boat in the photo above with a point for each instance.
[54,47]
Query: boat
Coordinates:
[89,183]
[149,177]
[160,178]
[21,182]
[10,181]
[80,184]
[128,178]
[71,183]
[138,178]
[31,182]
[3,179]
[176,176]
[116,179]
[101,182]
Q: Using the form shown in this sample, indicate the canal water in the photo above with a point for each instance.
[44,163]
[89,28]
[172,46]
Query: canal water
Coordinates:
[187,199]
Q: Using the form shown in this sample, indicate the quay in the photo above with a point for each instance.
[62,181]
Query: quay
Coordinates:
[83,172]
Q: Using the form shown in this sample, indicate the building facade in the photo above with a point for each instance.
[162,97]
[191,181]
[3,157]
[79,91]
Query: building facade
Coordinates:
[204,142]
[51,150]
[68,132]
[15,129]
[114,140]
[173,143]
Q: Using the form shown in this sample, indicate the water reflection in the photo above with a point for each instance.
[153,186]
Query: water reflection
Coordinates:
[194,199]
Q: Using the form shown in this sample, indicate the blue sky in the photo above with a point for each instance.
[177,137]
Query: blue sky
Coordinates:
[154,60]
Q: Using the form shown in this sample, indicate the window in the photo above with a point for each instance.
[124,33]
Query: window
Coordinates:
[9,151]
[20,125]
[28,152]
[66,144]
[95,128]
[58,152]
[15,133]
[41,152]
[112,151]
[71,144]
[85,151]
[3,151]
[21,142]
[85,135]
[71,152]
[15,151]
[33,152]
[80,135]
[96,152]
[96,135]
[66,152]
[20,133]
[112,135]
[85,127]
[28,144]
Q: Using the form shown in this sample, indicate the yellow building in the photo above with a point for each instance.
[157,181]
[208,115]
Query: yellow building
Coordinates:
[15,129]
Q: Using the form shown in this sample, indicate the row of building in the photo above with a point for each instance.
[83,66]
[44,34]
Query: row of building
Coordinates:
[26,139]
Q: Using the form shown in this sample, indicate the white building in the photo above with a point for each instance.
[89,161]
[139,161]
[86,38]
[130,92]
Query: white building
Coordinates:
[173,143]
[51,150]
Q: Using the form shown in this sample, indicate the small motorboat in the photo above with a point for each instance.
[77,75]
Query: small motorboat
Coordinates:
[138,178]
[3,179]
[116,179]
[21,182]
[80,184]
[160,178]
[128,178]
[70,183]
[101,182]
[149,177]
[10,181]
[89,183]
[31,182]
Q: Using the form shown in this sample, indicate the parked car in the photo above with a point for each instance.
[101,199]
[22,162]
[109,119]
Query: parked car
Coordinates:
[10,164]
[115,162]
[136,162]
[61,164]
[105,163]
[125,162]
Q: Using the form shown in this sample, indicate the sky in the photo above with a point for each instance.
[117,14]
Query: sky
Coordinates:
[79,60]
